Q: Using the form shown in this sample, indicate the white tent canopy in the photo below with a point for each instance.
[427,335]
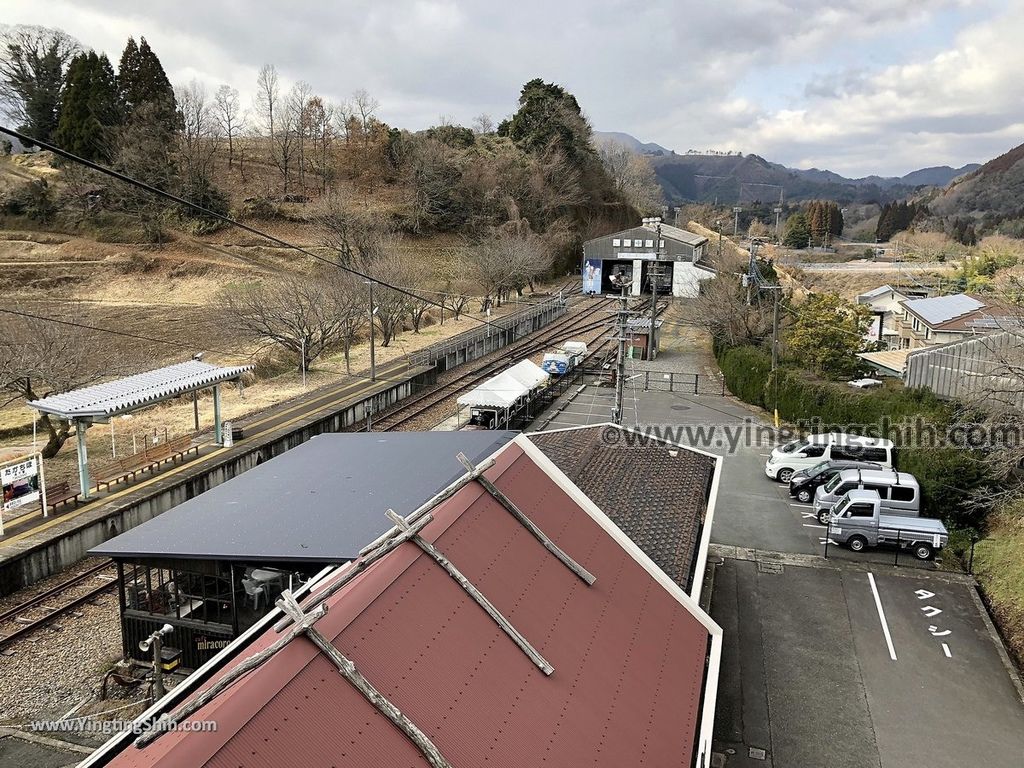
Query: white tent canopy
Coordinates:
[529,374]
[500,392]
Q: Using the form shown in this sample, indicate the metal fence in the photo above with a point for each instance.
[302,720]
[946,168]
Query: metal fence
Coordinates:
[433,353]
[689,383]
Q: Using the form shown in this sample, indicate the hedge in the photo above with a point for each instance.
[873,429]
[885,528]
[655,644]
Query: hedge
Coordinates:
[946,475]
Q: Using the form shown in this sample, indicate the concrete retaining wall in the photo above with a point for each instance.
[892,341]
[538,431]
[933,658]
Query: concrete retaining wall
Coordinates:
[26,562]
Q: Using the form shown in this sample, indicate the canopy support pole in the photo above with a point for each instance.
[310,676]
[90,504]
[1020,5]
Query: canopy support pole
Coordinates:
[83,458]
[218,438]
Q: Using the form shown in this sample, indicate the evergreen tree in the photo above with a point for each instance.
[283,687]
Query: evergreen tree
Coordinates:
[549,115]
[90,108]
[141,80]
[33,62]
[798,231]
[816,221]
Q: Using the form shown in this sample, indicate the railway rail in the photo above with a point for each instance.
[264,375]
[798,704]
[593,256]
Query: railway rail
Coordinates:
[416,407]
[54,602]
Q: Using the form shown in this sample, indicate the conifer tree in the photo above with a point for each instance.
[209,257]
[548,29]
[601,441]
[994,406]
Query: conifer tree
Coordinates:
[90,108]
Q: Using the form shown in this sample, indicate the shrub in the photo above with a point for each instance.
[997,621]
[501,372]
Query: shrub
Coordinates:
[947,475]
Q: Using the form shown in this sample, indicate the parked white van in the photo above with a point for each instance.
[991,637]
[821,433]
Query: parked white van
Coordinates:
[835,446]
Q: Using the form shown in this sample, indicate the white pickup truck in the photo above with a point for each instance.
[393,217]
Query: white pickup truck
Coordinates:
[857,522]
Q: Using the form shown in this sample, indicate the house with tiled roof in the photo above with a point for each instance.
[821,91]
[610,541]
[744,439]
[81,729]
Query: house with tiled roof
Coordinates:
[507,621]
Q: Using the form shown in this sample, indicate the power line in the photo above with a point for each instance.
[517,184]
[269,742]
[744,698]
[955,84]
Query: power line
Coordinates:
[28,141]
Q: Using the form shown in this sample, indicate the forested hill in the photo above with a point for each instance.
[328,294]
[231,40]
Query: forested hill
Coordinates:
[993,195]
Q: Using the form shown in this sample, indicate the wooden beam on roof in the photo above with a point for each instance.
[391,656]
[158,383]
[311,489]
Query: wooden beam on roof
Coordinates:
[438,557]
[526,522]
[357,680]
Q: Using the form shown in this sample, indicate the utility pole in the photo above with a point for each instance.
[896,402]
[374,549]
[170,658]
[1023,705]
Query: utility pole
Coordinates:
[778,214]
[775,352]
[718,226]
[736,221]
[622,282]
[654,273]
[373,360]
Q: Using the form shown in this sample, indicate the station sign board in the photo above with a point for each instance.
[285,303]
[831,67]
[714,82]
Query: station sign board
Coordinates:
[21,483]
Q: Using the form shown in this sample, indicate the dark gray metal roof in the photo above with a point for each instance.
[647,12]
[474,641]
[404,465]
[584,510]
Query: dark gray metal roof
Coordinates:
[679,244]
[321,501]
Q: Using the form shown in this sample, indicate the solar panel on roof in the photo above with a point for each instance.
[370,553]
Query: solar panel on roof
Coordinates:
[940,309]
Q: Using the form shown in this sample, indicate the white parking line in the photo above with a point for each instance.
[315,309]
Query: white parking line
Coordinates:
[809,525]
[881,617]
[794,504]
[945,650]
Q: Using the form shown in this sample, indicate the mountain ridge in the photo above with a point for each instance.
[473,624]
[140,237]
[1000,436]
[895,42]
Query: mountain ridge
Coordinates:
[704,177]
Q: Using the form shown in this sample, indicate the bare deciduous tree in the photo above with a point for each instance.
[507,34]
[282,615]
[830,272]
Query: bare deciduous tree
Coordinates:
[633,176]
[33,61]
[199,134]
[39,358]
[227,112]
[292,153]
[509,260]
[452,273]
[483,124]
[722,310]
[318,125]
[306,315]
[356,235]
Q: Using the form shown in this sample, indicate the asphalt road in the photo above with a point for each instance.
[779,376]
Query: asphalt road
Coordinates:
[807,677]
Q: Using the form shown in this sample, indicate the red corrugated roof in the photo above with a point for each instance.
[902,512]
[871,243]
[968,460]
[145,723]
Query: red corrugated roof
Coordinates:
[629,657]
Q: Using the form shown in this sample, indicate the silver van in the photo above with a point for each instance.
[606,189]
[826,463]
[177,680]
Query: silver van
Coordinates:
[899,491]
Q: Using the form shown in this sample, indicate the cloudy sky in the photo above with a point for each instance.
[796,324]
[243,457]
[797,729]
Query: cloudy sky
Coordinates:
[873,86]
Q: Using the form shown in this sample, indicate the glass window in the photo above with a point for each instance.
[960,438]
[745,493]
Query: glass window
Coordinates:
[817,469]
[880,455]
[832,484]
[813,451]
[902,493]
[616,241]
[795,446]
[861,510]
[649,243]
[627,243]
[881,490]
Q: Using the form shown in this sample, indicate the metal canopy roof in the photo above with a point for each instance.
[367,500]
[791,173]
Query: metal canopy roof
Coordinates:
[128,394]
[321,501]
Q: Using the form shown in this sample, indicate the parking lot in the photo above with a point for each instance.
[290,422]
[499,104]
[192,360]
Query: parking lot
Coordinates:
[848,661]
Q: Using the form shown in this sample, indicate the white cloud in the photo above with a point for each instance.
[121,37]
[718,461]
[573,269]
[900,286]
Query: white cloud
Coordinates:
[689,74]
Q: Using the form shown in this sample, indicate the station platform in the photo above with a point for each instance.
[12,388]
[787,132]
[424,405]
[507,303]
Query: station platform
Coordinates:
[34,546]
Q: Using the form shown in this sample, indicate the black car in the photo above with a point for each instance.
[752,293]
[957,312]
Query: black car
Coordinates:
[803,483]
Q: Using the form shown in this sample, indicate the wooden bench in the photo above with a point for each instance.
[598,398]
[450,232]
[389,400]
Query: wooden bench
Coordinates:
[61,493]
[150,457]
[181,447]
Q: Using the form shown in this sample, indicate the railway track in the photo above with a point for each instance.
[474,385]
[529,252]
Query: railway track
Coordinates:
[412,409]
[60,599]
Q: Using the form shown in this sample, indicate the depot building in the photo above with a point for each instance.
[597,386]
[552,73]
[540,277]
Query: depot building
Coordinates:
[676,260]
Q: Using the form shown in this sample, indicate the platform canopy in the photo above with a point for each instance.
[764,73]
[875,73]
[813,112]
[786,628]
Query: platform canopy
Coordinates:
[529,374]
[500,392]
[100,402]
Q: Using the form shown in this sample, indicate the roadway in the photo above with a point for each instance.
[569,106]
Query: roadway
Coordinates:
[845,662]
